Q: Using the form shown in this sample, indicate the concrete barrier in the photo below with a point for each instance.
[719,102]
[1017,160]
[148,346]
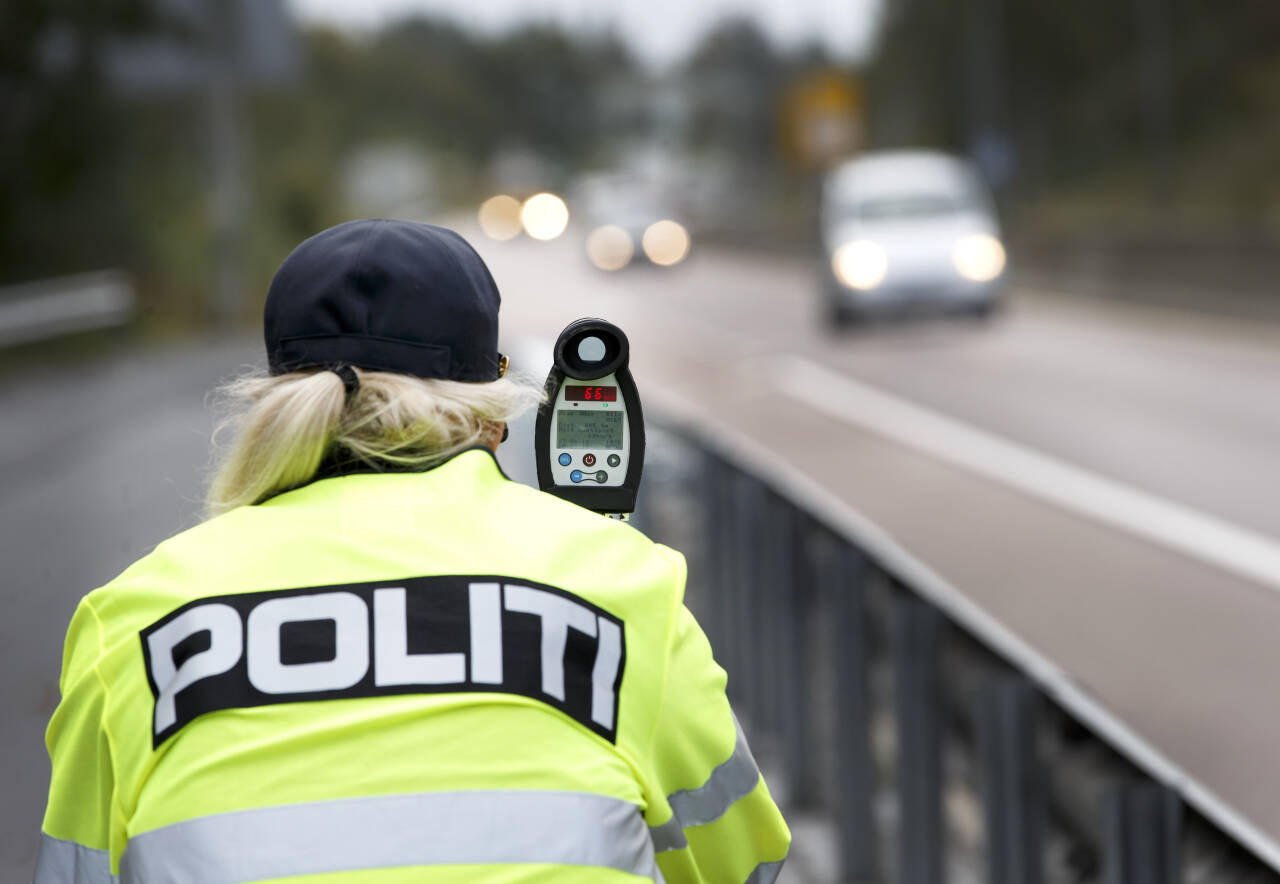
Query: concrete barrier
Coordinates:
[49,308]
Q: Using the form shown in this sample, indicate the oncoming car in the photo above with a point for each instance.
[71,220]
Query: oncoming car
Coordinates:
[629,222]
[907,229]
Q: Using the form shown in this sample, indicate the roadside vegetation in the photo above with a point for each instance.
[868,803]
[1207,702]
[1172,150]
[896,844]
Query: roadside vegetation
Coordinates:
[1118,135]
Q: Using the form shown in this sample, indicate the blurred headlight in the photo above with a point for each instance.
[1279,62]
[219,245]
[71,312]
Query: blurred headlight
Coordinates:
[544,215]
[610,247]
[860,264]
[500,217]
[978,257]
[665,242]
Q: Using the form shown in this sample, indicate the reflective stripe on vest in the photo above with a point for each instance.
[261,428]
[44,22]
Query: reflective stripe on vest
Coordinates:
[429,828]
[66,862]
[765,873]
[728,783]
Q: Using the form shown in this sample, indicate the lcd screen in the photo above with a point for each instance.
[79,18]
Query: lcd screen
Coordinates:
[600,430]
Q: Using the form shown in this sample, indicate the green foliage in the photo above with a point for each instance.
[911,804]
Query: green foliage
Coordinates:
[1144,100]
[90,178]
[736,79]
[59,144]
[451,91]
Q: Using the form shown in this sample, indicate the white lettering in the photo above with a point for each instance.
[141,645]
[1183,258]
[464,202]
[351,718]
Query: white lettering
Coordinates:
[225,644]
[486,633]
[269,674]
[557,614]
[392,662]
[354,641]
[605,672]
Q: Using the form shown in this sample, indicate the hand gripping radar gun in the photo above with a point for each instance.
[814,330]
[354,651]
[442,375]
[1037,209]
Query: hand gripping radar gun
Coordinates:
[589,438]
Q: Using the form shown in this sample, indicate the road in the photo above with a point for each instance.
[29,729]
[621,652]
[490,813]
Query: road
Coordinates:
[1060,466]
[1099,479]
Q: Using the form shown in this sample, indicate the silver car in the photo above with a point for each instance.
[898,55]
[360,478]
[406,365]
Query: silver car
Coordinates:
[906,229]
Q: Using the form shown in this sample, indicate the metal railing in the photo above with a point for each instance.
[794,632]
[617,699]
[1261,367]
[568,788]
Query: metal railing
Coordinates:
[36,311]
[927,734]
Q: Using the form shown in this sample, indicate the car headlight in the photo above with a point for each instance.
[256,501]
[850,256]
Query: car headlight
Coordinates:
[860,264]
[500,217]
[544,216]
[610,247]
[665,242]
[978,257]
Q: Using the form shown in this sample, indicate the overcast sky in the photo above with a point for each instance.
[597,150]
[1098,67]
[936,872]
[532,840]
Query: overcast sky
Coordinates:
[661,30]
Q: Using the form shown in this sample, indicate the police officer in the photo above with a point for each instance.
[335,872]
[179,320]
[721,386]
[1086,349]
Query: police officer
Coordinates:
[380,660]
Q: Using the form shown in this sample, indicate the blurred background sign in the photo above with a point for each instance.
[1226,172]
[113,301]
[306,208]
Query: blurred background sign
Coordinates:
[823,119]
[189,41]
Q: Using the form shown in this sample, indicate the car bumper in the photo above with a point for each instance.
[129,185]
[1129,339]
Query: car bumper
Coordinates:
[891,296]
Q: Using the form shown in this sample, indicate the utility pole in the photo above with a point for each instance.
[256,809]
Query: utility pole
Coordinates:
[1155,94]
[988,134]
[228,195]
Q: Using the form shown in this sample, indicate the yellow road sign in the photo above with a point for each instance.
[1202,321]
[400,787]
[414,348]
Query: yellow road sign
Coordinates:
[822,119]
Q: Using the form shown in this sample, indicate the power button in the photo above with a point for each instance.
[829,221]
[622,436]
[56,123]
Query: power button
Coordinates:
[589,460]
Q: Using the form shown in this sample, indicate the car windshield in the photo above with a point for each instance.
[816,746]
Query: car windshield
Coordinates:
[904,207]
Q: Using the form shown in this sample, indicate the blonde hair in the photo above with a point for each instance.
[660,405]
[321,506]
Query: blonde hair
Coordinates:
[284,427]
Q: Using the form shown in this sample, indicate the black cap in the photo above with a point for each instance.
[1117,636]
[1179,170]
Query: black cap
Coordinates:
[385,295]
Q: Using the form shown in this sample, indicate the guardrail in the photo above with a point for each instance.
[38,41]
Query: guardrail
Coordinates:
[47,308]
[920,725]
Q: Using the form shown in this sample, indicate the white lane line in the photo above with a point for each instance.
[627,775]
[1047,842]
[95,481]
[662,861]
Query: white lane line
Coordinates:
[1173,525]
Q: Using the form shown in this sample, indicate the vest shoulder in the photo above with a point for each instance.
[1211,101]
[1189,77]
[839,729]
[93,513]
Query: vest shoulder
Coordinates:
[591,553]
[376,525]
[547,514]
[179,569]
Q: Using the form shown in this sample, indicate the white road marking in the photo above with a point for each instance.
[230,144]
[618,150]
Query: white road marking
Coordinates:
[1149,516]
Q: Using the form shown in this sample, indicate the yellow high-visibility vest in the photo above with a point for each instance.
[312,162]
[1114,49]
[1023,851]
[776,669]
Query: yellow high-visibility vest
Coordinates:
[435,676]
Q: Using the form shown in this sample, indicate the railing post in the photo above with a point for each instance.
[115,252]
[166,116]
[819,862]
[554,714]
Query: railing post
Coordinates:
[715,525]
[844,578]
[760,667]
[917,628]
[746,586]
[775,662]
[734,573]
[1141,828]
[797,671]
[798,649]
[1013,786]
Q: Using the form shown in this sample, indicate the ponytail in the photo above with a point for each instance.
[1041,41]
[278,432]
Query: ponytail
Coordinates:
[285,426]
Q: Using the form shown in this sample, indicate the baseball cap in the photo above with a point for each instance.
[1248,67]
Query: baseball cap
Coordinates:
[385,295]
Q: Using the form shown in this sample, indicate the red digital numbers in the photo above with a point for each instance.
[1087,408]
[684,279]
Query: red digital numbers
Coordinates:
[591,394]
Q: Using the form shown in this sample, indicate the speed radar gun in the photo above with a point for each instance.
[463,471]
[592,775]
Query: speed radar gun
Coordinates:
[589,438]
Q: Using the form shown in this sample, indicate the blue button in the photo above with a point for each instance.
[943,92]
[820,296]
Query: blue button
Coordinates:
[565,460]
[576,475]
